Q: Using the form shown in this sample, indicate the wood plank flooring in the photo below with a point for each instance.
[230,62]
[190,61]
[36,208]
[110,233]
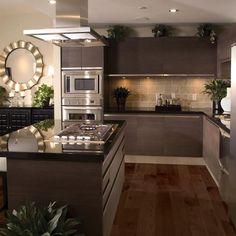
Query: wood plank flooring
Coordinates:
[170,200]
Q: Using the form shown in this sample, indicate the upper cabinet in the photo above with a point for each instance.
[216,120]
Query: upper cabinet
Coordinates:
[224,42]
[166,55]
[82,57]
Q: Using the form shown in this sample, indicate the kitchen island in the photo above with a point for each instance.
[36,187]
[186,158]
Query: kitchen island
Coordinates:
[86,177]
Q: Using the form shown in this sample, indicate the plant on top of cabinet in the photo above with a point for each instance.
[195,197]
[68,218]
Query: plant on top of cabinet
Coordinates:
[207,31]
[3,95]
[217,89]
[46,221]
[121,94]
[118,32]
[43,95]
[160,30]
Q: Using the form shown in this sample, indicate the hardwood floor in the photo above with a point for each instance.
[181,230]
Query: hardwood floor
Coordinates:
[167,200]
[170,200]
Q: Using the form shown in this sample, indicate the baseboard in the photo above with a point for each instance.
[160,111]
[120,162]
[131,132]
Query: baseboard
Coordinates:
[169,160]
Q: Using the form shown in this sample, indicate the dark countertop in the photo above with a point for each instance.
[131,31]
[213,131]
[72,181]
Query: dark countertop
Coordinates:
[33,142]
[216,118]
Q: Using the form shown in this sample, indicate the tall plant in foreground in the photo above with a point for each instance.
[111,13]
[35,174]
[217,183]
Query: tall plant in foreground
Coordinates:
[31,220]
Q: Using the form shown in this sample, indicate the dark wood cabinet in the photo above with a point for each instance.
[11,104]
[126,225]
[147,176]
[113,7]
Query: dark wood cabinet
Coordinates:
[188,55]
[15,118]
[79,57]
[211,148]
[224,42]
[162,135]
[166,55]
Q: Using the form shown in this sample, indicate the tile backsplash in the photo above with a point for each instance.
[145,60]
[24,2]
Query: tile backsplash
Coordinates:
[188,91]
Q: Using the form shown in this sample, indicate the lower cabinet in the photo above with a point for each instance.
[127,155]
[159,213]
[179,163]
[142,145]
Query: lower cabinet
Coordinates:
[162,135]
[14,118]
[216,152]
[211,148]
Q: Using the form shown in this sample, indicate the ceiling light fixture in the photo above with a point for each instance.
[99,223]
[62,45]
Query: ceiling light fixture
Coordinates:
[52,2]
[142,8]
[173,10]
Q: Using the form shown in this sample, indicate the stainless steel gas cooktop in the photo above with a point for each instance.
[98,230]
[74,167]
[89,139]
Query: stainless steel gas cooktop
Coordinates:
[85,133]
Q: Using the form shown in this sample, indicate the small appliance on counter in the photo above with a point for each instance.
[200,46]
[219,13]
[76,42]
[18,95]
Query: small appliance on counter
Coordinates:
[168,108]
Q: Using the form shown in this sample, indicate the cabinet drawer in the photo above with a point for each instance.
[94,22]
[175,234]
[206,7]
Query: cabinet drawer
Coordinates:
[110,176]
[113,201]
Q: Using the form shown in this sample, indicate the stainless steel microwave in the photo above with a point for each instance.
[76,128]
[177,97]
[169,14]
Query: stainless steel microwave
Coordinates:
[82,82]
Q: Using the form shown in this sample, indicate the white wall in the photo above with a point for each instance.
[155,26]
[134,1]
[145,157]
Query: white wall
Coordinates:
[12,30]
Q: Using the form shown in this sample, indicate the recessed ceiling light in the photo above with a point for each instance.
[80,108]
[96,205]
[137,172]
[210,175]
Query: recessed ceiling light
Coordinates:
[173,10]
[142,8]
[52,1]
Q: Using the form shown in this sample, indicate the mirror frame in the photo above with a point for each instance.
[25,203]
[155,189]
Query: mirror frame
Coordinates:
[38,59]
[39,138]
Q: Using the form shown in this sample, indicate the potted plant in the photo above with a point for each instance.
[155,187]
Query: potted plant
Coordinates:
[216,89]
[40,221]
[160,30]
[207,31]
[3,95]
[121,94]
[43,95]
[118,32]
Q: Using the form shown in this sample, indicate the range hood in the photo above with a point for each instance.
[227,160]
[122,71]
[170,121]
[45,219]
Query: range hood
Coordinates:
[71,27]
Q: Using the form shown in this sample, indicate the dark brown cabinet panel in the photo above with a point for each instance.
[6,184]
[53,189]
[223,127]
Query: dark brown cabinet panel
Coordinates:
[123,56]
[82,57]
[189,55]
[162,135]
[224,42]
[166,55]
[211,148]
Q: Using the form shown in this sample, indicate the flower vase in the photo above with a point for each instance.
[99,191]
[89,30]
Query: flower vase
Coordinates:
[121,103]
[226,102]
[217,109]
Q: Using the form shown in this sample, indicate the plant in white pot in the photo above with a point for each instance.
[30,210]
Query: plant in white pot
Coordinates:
[217,89]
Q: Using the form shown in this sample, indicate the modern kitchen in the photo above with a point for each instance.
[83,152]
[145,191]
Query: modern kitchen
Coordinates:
[117,118]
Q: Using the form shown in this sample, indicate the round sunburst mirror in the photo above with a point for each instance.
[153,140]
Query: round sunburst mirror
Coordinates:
[21,65]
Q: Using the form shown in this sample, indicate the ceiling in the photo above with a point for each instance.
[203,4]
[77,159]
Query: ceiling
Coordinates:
[107,12]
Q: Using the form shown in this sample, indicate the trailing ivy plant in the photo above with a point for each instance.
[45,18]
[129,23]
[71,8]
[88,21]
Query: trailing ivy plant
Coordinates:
[31,220]
[42,96]
[3,95]
[207,31]
[118,32]
[160,30]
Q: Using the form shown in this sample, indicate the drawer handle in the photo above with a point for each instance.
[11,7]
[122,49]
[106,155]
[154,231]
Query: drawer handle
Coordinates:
[222,168]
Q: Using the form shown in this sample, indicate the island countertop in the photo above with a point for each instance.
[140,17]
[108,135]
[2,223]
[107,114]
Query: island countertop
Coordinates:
[35,142]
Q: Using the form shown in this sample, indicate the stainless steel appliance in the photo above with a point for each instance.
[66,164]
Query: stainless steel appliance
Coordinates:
[82,82]
[82,113]
[82,95]
[70,31]
[82,133]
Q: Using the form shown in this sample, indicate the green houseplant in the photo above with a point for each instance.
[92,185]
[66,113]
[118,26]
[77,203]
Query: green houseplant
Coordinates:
[3,95]
[121,94]
[216,89]
[30,220]
[118,32]
[43,95]
[207,31]
[160,30]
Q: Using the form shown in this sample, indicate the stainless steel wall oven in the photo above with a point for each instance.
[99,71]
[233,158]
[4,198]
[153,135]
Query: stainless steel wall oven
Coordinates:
[82,95]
